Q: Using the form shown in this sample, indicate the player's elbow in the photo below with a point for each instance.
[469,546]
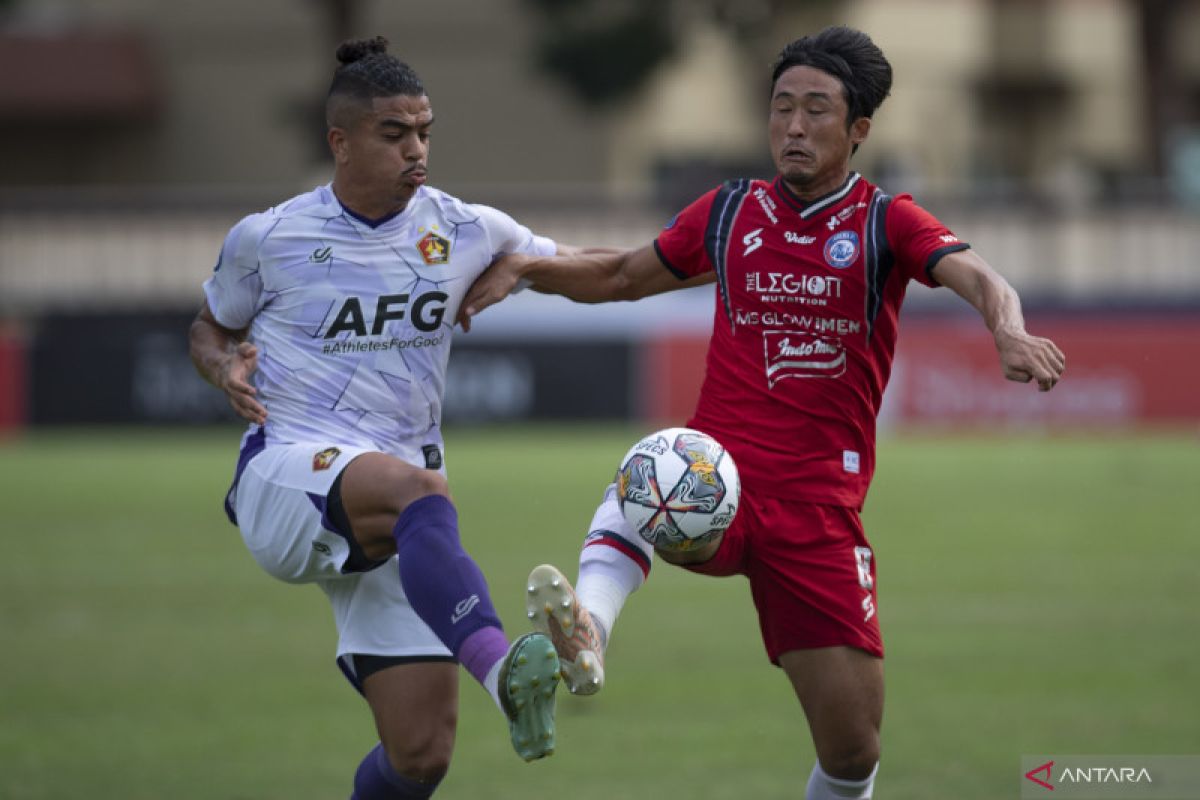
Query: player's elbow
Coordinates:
[623,287]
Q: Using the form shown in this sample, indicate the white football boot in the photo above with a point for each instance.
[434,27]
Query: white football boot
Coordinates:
[553,608]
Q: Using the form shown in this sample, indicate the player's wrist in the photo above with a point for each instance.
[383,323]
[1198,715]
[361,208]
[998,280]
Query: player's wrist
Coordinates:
[1008,332]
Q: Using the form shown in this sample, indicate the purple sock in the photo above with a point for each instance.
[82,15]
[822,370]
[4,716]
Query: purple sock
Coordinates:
[376,780]
[444,585]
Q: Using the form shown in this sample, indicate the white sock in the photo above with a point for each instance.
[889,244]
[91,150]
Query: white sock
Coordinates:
[491,682]
[823,787]
[609,565]
[602,595]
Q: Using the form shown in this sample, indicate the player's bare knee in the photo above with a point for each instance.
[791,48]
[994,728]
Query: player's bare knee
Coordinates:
[421,755]
[695,556]
[398,484]
[424,483]
[852,761]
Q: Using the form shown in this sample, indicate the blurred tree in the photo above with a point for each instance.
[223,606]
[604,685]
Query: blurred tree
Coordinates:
[340,18]
[1166,108]
[604,50]
[337,23]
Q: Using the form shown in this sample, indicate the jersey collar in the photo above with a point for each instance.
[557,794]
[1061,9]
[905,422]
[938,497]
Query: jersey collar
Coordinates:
[808,209]
[372,224]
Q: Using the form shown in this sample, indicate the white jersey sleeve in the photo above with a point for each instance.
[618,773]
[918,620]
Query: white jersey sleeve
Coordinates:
[507,236]
[235,289]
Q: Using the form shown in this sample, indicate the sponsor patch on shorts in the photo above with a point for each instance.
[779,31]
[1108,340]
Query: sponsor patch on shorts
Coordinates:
[433,456]
[323,459]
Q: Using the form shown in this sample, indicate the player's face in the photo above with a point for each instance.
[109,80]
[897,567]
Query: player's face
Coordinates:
[384,155]
[810,140]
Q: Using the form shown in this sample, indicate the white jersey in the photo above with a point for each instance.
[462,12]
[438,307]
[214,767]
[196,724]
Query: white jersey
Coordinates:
[353,319]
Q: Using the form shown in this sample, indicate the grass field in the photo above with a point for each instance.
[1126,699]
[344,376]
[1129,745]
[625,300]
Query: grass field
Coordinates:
[1037,595]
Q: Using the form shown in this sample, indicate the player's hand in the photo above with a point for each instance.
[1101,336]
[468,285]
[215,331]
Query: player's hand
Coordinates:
[1026,358]
[235,382]
[496,283]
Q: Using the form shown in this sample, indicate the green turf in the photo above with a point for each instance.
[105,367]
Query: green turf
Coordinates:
[1037,596]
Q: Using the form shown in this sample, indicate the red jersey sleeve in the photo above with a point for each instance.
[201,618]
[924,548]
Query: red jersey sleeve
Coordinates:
[918,239]
[680,246]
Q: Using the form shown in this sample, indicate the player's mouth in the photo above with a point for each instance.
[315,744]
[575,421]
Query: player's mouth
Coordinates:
[798,155]
[416,175]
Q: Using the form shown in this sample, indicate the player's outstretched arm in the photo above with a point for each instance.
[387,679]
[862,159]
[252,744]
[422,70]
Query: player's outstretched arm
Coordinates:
[1023,358]
[226,360]
[585,276]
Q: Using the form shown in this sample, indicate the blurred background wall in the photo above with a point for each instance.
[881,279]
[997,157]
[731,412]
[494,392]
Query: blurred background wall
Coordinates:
[1060,137]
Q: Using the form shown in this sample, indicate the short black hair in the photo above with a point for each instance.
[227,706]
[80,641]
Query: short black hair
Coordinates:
[848,55]
[368,71]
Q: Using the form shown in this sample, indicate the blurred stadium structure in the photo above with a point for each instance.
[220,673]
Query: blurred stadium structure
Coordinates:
[1060,137]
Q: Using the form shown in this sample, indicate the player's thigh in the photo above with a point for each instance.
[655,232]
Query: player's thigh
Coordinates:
[375,489]
[281,502]
[726,554]
[415,706]
[812,579]
[841,691]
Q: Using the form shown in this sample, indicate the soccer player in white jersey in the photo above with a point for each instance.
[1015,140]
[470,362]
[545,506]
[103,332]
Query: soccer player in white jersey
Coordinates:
[327,322]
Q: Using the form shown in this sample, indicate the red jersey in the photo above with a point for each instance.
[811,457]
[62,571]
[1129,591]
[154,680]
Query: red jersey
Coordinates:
[808,296]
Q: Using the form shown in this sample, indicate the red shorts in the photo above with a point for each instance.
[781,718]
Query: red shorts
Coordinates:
[811,571]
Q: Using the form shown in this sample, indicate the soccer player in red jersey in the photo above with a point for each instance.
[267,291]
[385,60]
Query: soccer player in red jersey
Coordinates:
[811,270]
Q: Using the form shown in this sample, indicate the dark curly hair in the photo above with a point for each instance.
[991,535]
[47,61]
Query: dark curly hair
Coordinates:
[848,55]
[367,71]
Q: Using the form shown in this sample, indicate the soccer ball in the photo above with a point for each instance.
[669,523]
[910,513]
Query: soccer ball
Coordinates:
[678,488]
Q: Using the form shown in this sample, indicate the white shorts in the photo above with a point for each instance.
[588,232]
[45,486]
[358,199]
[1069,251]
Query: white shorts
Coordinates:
[280,502]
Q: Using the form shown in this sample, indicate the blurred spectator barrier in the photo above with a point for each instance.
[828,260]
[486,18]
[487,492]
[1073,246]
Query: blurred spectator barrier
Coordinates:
[129,256]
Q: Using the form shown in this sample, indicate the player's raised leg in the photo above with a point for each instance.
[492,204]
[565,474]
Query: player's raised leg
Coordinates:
[393,506]
[613,564]
[554,609]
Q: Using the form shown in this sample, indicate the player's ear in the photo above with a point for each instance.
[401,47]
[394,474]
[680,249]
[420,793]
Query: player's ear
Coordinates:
[339,145]
[859,130]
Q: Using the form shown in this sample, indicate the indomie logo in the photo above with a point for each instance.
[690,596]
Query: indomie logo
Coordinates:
[428,310]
